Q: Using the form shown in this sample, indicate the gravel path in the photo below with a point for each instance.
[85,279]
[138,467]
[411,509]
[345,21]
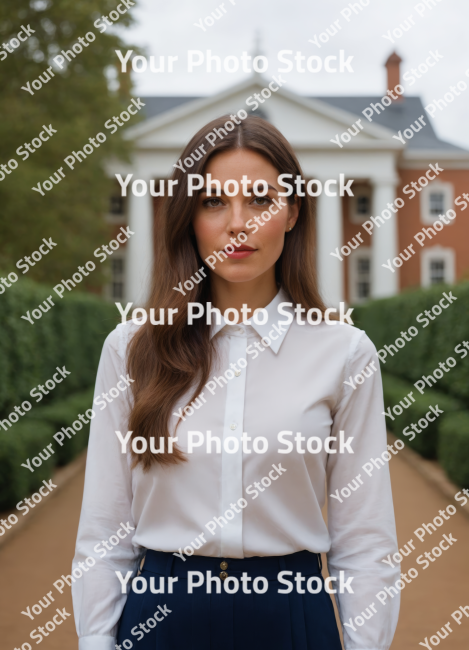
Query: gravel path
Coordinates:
[42,550]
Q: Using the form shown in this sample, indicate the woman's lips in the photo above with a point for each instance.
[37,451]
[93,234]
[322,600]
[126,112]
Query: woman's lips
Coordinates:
[240,253]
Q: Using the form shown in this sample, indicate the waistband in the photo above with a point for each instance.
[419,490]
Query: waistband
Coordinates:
[168,564]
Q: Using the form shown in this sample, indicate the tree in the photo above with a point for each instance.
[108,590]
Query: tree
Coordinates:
[76,101]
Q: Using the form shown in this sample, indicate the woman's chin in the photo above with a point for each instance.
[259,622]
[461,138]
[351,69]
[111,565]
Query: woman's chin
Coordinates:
[240,273]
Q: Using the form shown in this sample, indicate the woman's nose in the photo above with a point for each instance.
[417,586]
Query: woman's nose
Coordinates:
[237,217]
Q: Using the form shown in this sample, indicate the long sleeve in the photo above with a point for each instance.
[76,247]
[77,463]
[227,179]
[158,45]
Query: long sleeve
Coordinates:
[361,515]
[306,364]
[106,510]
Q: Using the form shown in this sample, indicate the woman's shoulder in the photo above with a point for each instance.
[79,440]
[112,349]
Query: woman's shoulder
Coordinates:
[339,338]
[118,340]
[354,336]
[361,348]
[353,346]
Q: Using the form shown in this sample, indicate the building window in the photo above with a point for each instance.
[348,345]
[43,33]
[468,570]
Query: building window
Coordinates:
[437,203]
[363,277]
[437,198]
[116,205]
[117,278]
[360,204]
[360,275]
[438,265]
[363,205]
[437,271]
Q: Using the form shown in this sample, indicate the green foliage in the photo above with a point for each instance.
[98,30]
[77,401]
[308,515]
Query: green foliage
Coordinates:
[30,436]
[384,320]
[77,101]
[24,440]
[425,443]
[70,334]
[453,449]
[61,414]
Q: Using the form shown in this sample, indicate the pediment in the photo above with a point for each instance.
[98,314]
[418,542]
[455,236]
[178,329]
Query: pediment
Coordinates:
[306,123]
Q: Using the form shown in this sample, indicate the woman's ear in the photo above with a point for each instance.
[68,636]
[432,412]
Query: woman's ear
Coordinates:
[293,212]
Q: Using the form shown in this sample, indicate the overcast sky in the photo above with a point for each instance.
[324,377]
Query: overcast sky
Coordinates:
[167,28]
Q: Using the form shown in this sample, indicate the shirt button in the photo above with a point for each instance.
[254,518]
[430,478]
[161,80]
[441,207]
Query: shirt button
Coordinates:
[223,565]
[233,426]
[223,575]
[237,373]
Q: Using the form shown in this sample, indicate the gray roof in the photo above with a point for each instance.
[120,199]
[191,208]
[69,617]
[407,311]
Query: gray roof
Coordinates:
[396,117]
[157,105]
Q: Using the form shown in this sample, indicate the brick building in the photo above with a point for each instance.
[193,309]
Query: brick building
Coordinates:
[391,157]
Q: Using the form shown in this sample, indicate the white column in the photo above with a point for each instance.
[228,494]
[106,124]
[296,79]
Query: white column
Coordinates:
[384,241]
[329,237]
[139,249]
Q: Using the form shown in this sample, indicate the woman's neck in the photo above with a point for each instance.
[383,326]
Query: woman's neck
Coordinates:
[256,293]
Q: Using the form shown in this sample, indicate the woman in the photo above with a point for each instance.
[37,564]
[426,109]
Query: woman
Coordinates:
[215,470]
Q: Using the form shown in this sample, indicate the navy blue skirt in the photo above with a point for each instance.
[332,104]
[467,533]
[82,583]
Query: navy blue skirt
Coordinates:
[228,621]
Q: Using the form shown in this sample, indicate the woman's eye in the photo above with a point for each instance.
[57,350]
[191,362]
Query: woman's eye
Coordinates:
[209,203]
[262,198]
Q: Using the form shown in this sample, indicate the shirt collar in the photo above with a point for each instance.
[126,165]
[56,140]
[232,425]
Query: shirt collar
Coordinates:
[272,327]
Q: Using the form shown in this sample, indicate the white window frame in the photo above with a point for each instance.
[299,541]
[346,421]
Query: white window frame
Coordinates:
[446,189]
[117,219]
[362,251]
[357,191]
[119,254]
[448,255]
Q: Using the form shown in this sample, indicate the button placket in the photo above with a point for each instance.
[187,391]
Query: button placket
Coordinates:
[232,464]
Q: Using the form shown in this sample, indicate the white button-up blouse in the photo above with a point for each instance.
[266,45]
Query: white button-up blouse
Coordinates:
[287,390]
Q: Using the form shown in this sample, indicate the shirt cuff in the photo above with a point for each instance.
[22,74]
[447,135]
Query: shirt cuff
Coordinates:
[96,642]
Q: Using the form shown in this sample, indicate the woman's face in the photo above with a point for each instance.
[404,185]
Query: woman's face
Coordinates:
[222,220]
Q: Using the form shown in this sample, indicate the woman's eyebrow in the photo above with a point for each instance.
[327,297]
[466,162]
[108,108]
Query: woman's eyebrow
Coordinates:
[250,187]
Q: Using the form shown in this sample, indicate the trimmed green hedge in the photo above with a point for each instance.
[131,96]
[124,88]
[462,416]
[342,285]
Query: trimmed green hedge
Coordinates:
[453,448]
[30,436]
[396,391]
[70,334]
[62,414]
[384,320]
[25,440]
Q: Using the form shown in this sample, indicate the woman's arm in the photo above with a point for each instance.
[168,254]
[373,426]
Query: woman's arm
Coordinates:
[106,510]
[362,526]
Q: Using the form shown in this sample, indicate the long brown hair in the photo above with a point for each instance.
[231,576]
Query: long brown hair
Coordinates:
[166,361]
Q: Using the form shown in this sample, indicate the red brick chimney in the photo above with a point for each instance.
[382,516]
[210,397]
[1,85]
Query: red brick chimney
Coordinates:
[394,72]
